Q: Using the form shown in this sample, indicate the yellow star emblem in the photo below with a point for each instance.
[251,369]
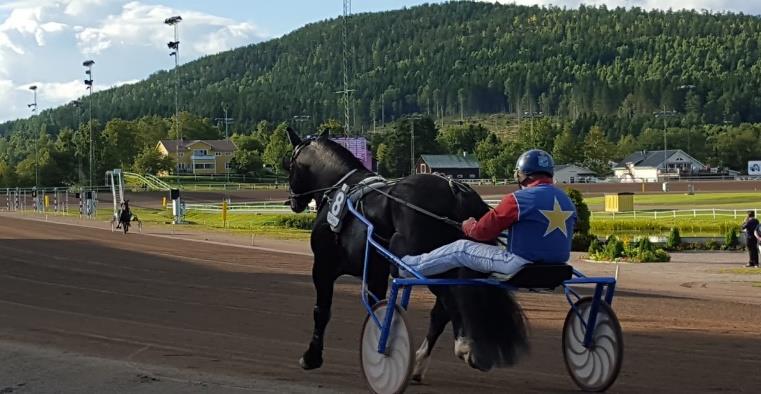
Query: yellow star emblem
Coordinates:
[557,217]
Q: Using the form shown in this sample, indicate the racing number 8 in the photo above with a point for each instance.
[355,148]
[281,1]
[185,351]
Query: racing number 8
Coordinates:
[337,206]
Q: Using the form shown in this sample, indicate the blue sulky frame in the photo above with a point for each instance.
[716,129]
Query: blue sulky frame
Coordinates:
[602,284]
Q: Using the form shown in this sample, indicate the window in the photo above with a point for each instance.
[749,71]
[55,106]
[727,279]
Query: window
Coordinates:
[459,176]
[217,153]
[472,176]
[227,166]
[423,168]
[180,154]
[200,152]
[204,166]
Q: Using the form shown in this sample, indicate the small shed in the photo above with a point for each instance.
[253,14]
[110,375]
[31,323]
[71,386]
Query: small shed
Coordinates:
[619,202]
[456,166]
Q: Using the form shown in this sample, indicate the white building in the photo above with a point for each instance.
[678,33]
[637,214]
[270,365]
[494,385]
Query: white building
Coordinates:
[571,173]
[656,166]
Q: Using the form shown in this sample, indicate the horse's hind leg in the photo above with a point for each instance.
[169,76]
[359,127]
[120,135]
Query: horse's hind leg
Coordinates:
[323,285]
[439,320]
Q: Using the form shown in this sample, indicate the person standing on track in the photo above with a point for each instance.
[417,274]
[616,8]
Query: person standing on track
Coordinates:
[749,226]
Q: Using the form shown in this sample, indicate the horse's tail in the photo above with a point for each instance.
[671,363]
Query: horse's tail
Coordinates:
[493,325]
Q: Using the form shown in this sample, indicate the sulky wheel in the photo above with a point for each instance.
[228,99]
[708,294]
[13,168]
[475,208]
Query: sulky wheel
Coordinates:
[389,372]
[594,368]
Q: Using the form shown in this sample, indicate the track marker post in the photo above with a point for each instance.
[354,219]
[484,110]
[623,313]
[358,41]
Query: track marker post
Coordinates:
[224,214]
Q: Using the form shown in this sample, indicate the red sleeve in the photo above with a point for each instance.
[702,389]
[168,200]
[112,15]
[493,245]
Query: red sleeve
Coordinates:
[495,221]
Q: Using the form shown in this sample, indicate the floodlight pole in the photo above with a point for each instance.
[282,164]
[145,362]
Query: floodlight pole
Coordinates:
[89,83]
[175,46]
[33,106]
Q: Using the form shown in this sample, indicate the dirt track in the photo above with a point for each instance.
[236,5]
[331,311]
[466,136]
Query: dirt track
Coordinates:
[229,311]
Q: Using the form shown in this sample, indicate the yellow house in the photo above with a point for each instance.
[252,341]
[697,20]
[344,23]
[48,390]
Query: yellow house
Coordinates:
[199,157]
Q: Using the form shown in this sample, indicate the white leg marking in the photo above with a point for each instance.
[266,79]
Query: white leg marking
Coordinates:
[422,361]
[462,348]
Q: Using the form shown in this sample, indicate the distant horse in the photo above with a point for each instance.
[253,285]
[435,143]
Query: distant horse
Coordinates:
[489,326]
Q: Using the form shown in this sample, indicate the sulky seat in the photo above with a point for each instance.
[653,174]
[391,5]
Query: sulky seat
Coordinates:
[538,276]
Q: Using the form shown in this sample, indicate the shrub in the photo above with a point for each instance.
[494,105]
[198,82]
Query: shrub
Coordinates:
[712,245]
[582,211]
[730,239]
[594,247]
[582,242]
[613,249]
[675,239]
[645,245]
[301,222]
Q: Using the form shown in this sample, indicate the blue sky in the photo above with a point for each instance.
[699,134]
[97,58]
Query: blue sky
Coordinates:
[43,42]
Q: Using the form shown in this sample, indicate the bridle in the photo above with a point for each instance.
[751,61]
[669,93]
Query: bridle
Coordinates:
[336,185]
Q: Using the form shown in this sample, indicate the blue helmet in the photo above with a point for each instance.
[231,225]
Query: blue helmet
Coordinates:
[535,161]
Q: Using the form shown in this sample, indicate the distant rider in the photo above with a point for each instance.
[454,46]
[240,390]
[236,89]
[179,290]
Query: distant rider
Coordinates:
[540,218]
[126,215]
[751,242]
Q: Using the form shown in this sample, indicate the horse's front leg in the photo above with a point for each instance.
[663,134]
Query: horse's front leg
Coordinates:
[438,321]
[324,280]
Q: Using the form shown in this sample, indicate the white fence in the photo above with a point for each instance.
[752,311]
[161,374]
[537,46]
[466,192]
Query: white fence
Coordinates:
[244,207]
[676,213]
[261,207]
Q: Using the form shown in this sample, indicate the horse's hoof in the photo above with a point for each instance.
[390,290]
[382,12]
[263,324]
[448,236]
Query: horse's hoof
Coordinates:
[310,364]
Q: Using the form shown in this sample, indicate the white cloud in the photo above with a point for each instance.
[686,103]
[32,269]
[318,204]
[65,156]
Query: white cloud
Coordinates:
[142,25]
[28,21]
[78,7]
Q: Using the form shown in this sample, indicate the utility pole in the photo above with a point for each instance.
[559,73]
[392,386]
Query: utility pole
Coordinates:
[301,119]
[412,119]
[226,120]
[346,91]
[665,114]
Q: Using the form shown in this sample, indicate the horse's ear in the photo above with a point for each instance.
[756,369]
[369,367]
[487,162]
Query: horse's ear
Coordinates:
[293,137]
[325,133]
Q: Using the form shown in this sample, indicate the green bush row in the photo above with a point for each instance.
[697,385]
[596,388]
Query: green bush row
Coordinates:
[297,221]
[640,251]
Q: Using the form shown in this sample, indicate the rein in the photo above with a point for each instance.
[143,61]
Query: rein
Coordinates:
[418,209]
[324,189]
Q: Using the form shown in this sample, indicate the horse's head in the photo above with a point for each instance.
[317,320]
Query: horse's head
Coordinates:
[315,165]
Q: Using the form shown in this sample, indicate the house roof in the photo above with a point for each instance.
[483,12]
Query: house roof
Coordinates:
[582,170]
[650,158]
[217,145]
[451,161]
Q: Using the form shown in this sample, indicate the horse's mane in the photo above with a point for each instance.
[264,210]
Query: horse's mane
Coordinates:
[339,153]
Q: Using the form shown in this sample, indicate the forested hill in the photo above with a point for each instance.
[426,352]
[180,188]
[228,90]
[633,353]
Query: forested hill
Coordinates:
[468,57]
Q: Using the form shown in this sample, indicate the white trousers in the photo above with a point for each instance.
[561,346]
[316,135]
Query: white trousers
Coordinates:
[465,253]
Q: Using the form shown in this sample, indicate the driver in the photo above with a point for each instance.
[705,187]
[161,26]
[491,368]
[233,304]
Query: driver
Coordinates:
[126,214]
[540,218]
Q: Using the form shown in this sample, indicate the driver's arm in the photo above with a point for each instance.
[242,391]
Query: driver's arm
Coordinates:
[494,222]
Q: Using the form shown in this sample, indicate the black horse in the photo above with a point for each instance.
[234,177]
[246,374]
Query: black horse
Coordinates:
[488,324]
